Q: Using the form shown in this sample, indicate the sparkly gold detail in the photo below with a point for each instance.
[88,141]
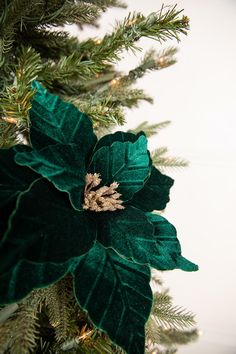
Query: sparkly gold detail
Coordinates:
[102,199]
[10,120]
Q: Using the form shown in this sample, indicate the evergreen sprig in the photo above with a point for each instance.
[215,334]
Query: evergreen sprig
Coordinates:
[15,101]
[151,129]
[152,61]
[165,162]
[20,332]
[168,316]
[61,309]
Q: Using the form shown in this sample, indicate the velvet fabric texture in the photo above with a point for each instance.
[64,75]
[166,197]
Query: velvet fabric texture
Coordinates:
[46,233]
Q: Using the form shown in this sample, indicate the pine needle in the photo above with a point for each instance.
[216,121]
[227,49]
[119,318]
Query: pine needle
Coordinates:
[150,129]
[168,316]
[163,162]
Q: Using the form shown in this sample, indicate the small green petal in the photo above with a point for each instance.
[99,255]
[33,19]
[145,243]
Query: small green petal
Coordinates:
[120,136]
[63,165]
[155,193]
[55,121]
[45,228]
[19,281]
[126,163]
[116,294]
[168,244]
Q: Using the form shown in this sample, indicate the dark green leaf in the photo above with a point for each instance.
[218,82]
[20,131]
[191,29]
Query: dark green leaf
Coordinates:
[131,234]
[55,121]
[168,244]
[116,294]
[45,228]
[63,165]
[126,163]
[13,180]
[122,137]
[155,193]
[26,276]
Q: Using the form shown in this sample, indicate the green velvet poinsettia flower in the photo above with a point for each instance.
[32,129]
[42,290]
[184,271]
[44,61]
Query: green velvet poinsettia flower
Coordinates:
[72,204]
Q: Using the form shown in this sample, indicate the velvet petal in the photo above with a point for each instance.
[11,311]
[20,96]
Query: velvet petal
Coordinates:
[168,245]
[45,228]
[130,234]
[55,121]
[116,294]
[109,139]
[20,280]
[155,193]
[126,163]
[13,180]
[63,165]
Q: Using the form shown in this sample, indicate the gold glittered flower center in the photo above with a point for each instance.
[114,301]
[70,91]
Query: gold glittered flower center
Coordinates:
[105,198]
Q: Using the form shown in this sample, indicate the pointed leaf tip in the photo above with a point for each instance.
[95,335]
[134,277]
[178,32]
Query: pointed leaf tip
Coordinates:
[117,295]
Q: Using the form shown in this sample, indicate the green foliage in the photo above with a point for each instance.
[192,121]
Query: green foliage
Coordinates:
[163,162]
[32,47]
[170,337]
[152,61]
[168,326]
[106,253]
[169,316]
[71,68]
[25,326]
[61,307]
[150,129]
[16,99]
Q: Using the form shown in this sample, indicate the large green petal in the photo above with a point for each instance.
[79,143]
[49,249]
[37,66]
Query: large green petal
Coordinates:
[45,228]
[130,234]
[55,121]
[13,180]
[168,244]
[126,163]
[19,281]
[63,165]
[155,193]
[116,294]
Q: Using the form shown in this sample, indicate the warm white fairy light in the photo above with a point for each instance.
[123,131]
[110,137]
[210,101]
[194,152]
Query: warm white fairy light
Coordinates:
[115,81]
[98,41]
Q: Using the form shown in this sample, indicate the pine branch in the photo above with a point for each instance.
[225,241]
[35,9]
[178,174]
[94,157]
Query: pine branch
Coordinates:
[20,332]
[61,313]
[168,316]
[14,13]
[16,100]
[92,56]
[50,44]
[152,61]
[120,95]
[103,114]
[91,341]
[104,4]
[71,12]
[150,129]
[160,26]
[164,162]
[170,337]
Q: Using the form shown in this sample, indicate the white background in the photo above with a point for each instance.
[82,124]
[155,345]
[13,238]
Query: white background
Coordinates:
[198,95]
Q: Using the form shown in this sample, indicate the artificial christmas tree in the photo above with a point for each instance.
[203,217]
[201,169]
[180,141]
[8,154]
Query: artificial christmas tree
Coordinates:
[78,231]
